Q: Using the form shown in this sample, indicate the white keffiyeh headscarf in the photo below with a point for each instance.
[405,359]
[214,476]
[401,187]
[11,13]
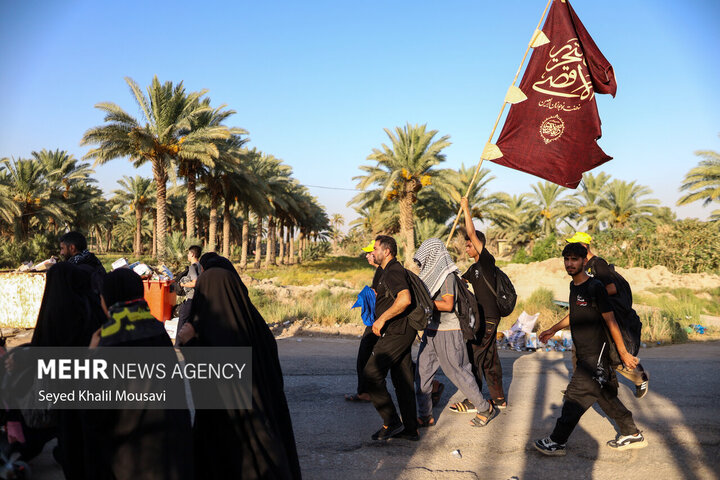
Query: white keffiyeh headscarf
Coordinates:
[435,264]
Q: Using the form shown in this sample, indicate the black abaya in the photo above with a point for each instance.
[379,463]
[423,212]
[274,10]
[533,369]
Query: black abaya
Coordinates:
[248,444]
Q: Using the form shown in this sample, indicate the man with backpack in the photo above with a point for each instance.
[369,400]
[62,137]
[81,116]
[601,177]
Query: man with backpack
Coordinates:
[593,328]
[443,341]
[482,277]
[392,350]
[620,296]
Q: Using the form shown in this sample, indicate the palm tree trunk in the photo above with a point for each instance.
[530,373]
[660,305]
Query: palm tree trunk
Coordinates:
[160,175]
[291,235]
[154,238]
[301,246]
[191,208]
[212,228]
[226,228]
[108,237]
[281,254]
[245,235]
[137,244]
[270,247]
[258,242]
[407,230]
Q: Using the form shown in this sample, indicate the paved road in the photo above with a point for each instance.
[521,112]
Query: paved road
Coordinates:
[680,417]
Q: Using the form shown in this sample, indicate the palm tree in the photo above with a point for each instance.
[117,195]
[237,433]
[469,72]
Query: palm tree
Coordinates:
[27,196]
[551,207]
[336,221]
[191,168]
[622,204]
[703,182]
[586,200]
[248,188]
[63,170]
[516,220]
[136,195]
[402,170]
[165,136]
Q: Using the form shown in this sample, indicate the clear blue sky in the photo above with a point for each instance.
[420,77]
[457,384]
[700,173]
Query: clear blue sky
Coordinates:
[315,82]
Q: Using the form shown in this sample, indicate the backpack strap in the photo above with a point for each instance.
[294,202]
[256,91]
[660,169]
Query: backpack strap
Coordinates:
[487,283]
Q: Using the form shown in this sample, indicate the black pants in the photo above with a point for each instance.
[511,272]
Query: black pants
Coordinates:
[183,317]
[485,360]
[367,343]
[582,392]
[392,352]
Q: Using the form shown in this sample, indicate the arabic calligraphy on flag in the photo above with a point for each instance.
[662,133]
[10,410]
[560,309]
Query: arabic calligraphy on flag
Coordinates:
[553,133]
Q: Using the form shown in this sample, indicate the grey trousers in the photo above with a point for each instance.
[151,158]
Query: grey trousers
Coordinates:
[445,349]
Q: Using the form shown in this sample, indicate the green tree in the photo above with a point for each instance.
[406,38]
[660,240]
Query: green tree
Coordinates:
[136,195]
[703,182]
[164,135]
[403,168]
[552,208]
[27,196]
[586,200]
[623,203]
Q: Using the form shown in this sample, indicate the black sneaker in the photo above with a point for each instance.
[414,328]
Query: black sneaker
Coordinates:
[642,389]
[387,432]
[411,435]
[624,442]
[548,447]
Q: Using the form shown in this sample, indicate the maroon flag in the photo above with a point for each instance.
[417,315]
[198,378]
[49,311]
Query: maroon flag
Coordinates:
[553,134]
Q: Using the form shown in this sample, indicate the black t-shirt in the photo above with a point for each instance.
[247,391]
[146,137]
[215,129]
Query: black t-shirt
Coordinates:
[486,299]
[588,301]
[621,302]
[376,278]
[391,281]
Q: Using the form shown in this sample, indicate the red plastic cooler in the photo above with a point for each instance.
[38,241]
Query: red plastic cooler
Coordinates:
[160,298]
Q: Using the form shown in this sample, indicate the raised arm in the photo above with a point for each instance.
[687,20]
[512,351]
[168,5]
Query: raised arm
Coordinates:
[470,226]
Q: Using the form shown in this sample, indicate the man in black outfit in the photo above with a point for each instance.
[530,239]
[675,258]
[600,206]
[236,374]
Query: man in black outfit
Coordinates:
[620,296]
[73,248]
[392,350]
[483,349]
[592,325]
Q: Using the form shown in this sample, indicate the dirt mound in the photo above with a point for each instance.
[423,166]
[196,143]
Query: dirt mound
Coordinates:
[551,274]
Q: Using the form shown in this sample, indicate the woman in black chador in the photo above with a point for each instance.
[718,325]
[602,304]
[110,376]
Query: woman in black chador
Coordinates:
[257,443]
[138,443]
[69,314]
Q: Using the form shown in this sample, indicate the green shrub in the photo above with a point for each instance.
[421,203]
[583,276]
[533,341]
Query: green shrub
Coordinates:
[315,251]
[684,246]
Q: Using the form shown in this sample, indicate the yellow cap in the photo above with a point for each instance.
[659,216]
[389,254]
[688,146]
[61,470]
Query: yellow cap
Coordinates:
[370,247]
[580,237]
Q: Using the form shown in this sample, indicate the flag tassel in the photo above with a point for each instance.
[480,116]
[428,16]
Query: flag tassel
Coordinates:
[497,121]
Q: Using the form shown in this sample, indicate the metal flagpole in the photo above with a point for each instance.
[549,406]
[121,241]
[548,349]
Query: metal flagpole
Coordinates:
[485,152]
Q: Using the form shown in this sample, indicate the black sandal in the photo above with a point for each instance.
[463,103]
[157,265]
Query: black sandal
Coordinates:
[489,414]
[426,421]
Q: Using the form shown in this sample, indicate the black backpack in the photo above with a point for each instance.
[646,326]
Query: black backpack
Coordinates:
[504,292]
[467,310]
[421,304]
